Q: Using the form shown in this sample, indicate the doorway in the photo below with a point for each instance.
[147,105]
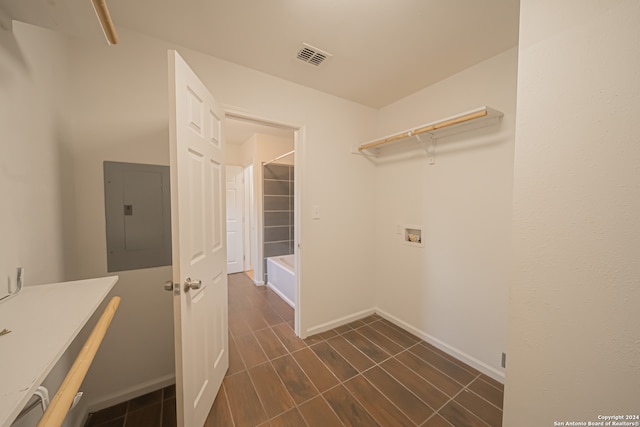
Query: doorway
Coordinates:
[258,153]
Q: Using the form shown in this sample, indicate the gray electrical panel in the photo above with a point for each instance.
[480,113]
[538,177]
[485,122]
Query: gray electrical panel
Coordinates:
[137,204]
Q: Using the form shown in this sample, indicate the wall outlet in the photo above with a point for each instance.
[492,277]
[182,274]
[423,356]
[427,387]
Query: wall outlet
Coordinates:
[504,360]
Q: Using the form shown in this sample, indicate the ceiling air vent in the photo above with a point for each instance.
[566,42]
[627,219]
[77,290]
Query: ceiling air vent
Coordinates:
[312,55]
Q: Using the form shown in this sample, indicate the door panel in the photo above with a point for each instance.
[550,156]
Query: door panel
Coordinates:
[216,188]
[199,251]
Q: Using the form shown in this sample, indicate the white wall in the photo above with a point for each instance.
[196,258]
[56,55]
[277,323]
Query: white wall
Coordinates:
[33,76]
[234,154]
[33,110]
[573,349]
[453,292]
[119,114]
[120,108]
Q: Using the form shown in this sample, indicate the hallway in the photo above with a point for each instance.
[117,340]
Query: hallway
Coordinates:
[366,373]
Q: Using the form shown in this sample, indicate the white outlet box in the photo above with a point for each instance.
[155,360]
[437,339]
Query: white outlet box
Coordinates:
[413,236]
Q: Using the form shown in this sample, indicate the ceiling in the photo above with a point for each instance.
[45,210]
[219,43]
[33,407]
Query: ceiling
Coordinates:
[381,50]
[238,131]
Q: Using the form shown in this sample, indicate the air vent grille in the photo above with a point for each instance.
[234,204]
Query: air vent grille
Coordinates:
[312,55]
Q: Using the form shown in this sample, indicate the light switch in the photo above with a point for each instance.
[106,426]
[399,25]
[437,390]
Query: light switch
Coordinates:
[315,212]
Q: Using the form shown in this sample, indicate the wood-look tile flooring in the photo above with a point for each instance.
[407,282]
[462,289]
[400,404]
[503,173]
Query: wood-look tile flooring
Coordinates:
[155,409]
[367,373]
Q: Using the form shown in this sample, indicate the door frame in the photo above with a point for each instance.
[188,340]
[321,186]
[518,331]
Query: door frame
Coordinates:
[298,145]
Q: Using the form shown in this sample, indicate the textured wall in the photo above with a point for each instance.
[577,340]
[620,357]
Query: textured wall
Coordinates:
[574,327]
[454,290]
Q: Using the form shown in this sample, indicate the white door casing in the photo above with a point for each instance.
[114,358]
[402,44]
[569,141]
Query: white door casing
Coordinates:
[198,243]
[235,213]
[249,232]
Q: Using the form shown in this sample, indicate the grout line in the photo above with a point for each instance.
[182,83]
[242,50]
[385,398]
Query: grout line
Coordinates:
[443,355]
[255,390]
[383,395]
[162,405]
[434,415]
[481,396]
[331,407]
[465,388]
[436,368]
[375,364]
[226,399]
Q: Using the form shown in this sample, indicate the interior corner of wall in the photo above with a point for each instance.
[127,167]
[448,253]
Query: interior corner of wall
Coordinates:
[6,23]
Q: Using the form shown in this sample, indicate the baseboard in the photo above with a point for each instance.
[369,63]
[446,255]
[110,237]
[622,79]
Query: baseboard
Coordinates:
[339,322]
[124,395]
[258,282]
[452,351]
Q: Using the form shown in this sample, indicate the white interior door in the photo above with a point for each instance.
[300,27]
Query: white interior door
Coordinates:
[198,243]
[247,174]
[235,202]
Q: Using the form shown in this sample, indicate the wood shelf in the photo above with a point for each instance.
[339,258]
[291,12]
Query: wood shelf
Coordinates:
[433,129]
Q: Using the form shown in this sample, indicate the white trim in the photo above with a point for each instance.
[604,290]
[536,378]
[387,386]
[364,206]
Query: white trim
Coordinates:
[339,322]
[242,114]
[125,395]
[258,282]
[298,161]
[458,354]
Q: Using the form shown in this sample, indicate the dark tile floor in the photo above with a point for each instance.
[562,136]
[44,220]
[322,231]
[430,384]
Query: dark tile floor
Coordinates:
[154,409]
[367,373]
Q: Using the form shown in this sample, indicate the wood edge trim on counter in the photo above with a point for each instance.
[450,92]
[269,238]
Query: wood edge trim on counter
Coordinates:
[61,403]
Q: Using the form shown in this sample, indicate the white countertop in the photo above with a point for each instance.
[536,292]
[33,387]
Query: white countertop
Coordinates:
[43,321]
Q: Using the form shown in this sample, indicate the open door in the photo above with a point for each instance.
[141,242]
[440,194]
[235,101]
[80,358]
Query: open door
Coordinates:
[198,243]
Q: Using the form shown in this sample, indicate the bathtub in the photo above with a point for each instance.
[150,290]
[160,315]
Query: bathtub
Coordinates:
[281,277]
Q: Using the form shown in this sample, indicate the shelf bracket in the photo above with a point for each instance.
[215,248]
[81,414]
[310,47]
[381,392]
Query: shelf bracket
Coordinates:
[42,399]
[429,145]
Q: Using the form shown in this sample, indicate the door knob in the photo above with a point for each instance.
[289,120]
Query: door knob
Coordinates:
[192,284]
[168,285]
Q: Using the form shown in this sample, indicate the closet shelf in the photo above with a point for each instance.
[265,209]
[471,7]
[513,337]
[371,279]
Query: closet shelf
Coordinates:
[432,129]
